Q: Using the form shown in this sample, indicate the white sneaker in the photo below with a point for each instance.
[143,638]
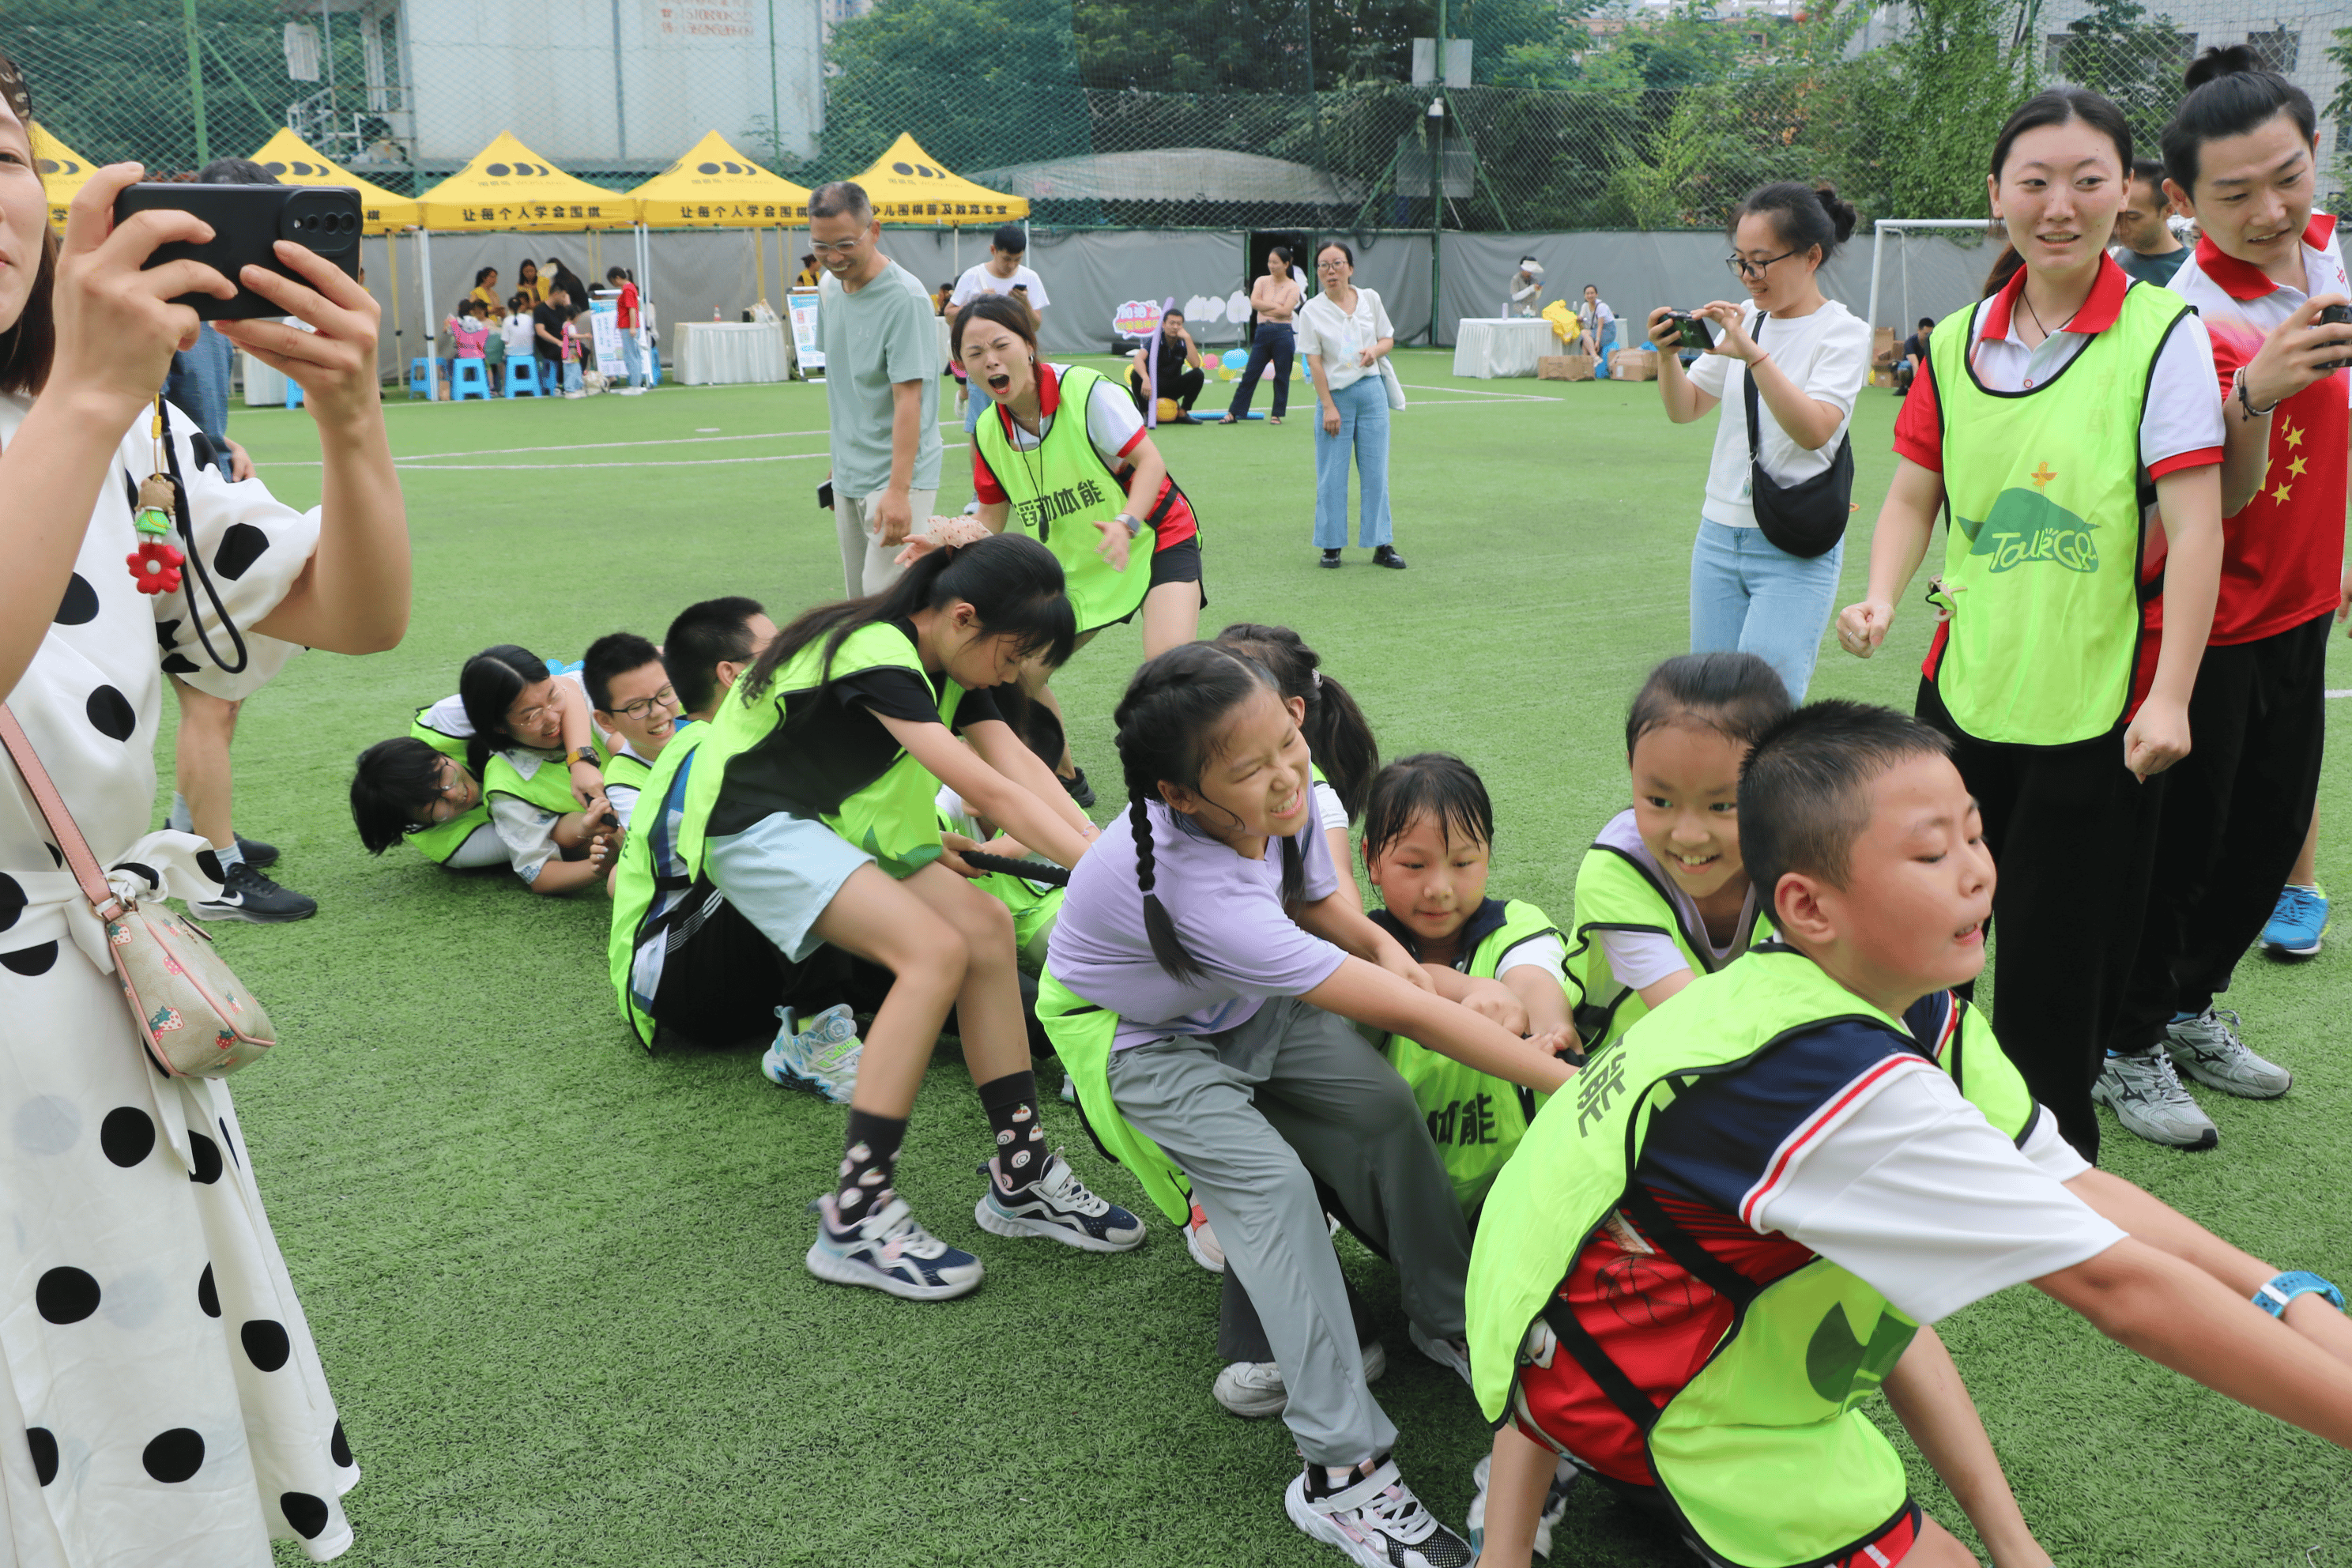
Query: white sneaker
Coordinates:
[888,1251]
[1202,1242]
[2145,1093]
[821,1058]
[1451,1354]
[630,391]
[1376,1521]
[573,394]
[1254,1389]
[1555,1504]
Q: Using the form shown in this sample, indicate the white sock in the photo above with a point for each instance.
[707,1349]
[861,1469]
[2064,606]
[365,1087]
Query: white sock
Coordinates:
[232,856]
[180,821]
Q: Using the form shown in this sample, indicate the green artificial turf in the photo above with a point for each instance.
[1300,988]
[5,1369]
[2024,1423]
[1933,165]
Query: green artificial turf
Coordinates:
[558,1285]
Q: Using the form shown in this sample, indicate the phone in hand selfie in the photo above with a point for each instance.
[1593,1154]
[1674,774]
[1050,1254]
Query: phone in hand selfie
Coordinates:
[2333,316]
[247,222]
[1696,332]
[824,495]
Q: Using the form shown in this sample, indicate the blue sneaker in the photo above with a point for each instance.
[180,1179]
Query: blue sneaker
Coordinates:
[821,1058]
[2297,922]
[888,1251]
[1057,1204]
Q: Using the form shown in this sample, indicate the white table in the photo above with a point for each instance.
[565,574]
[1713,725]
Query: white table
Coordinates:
[711,353]
[263,387]
[1487,347]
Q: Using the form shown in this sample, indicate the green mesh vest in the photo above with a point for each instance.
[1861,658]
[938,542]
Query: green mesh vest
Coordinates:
[635,888]
[1615,892]
[443,840]
[2043,490]
[1775,1409]
[549,787]
[1061,490]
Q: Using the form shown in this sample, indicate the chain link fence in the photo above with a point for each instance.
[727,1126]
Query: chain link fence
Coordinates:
[1565,115]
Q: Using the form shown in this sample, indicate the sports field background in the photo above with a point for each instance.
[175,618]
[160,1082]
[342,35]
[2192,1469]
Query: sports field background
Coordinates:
[557,1284]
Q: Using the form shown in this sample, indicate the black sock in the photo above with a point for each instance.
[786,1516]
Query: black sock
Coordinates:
[1011,1102]
[868,1165]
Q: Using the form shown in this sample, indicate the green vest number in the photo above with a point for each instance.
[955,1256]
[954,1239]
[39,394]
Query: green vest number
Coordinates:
[1062,489]
[2041,559]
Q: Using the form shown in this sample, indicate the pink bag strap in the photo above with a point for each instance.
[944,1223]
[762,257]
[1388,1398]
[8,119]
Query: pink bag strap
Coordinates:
[61,822]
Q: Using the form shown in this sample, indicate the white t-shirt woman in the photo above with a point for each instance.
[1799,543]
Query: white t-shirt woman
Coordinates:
[1827,353]
[1340,337]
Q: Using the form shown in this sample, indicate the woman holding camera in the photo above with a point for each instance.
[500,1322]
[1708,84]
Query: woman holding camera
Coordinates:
[1805,357]
[163,1400]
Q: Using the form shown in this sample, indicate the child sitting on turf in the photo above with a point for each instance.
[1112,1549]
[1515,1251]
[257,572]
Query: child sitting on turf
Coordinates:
[1717,1245]
[1201,981]
[636,713]
[531,748]
[1663,894]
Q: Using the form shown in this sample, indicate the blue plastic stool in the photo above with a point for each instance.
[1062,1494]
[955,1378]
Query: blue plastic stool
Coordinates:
[418,370]
[522,377]
[471,379]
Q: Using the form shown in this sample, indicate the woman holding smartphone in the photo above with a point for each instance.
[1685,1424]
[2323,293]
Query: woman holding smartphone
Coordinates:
[1808,357]
[165,1401]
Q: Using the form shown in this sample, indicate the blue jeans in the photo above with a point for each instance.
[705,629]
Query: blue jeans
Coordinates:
[571,375]
[1748,595]
[633,360]
[1274,342]
[1364,431]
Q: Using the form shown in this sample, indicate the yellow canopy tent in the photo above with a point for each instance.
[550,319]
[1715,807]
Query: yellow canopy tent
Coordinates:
[296,163]
[715,184]
[63,172]
[508,186]
[907,184]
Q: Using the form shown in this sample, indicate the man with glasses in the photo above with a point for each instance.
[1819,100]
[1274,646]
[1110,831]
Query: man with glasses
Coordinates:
[882,366]
[636,713]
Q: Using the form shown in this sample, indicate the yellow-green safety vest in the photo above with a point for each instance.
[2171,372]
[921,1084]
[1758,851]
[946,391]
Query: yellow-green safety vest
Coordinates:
[1616,892]
[2043,491]
[549,787]
[634,888]
[1773,1411]
[443,840]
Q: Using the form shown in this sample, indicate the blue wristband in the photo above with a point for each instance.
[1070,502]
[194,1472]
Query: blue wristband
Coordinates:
[2273,1297]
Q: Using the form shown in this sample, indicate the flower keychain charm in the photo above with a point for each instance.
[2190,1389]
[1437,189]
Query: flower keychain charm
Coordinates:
[155,564]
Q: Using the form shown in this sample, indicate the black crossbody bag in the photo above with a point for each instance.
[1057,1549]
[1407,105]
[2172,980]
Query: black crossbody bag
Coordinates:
[1806,519]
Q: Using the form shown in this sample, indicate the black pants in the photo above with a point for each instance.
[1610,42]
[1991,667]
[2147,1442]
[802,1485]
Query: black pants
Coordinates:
[2235,811]
[1274,343]
[723,980]
[1184,387]
[2073,836]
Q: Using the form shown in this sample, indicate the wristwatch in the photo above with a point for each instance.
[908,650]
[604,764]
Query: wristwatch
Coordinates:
[583,754]
[1134,524]
[2273,1297]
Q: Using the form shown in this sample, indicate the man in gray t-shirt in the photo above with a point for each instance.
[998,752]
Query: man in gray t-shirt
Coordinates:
[878,331]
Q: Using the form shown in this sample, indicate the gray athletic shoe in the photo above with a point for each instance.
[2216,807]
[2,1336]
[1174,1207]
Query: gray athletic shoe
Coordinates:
[2207,1048]
[2145,1095]
[1254,1390]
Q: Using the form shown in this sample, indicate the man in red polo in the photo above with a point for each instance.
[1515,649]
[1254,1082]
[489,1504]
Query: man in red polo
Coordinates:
[2235,811]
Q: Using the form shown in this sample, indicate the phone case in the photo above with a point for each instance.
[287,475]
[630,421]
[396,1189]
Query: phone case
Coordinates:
[246,223]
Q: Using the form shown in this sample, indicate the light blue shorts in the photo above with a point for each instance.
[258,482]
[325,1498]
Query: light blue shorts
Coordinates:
[781,873]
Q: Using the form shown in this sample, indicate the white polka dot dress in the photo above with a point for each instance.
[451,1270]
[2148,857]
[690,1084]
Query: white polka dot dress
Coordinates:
[163,1402]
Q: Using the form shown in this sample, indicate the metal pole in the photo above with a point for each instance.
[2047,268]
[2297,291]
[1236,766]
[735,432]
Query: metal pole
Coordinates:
[1877,236]
[196,82]
[424,292]
[775,99]
[1436,197]
[620,93]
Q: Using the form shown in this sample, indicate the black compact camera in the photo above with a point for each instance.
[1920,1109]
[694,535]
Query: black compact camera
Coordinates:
[246,223]
[2336,316]
[1696,332]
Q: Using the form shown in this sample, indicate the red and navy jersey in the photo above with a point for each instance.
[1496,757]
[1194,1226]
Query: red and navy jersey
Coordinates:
[1710,1162]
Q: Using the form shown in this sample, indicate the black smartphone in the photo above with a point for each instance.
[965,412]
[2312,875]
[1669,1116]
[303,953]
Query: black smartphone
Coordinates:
[246,223]
[2335,316]
[824,495]
[1696,332]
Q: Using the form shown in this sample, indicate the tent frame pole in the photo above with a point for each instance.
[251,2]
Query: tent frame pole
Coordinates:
[424,292]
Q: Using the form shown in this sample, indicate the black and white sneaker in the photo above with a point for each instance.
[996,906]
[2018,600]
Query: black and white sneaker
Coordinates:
[257,855]
[1374,1519]
[247,895]
[1056,1204]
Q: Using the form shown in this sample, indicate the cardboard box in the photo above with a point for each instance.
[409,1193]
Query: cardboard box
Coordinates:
[1564,367]
[1635,365]
[1883,350]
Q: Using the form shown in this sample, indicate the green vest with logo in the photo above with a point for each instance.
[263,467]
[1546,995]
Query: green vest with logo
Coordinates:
[895,816]
[1476,1119]
[1081,1033]
[1774,1410]
[1062,489]
[443,840]
[2041,559]
[1616,892]
[549,787]
[634,888]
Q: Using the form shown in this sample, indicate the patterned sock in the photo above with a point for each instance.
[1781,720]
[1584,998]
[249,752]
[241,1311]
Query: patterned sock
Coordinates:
[180,821]
[868,1165]
[1011,1102]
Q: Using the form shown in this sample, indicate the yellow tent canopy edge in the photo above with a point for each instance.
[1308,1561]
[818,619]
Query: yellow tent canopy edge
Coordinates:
[296,163]
[713,185]
[507,187]
[907,184]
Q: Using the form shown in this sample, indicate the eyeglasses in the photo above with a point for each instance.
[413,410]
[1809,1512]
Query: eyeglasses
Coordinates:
[836,246]
[1330,266]
[443,809]
[1747,268]
[665,698]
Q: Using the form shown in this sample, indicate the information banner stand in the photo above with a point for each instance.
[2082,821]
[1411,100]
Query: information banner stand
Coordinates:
[801,305]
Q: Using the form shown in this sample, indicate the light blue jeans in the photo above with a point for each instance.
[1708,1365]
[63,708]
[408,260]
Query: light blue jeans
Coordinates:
[1748,595]
[1364,431]
[632,361]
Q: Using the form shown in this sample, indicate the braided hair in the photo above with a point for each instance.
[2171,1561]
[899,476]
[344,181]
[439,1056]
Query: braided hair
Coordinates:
[1167,726]
[1336,732]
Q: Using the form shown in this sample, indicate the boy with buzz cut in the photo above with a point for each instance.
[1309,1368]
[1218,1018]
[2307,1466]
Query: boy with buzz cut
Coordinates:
[636,713]
[1724,1235]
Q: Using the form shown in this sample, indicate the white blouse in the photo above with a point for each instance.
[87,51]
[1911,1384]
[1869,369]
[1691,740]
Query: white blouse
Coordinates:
[1339,337]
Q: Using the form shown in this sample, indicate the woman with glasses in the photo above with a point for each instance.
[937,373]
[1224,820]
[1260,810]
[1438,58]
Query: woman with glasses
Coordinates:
[1345,333]
[529,740]
[1807,357]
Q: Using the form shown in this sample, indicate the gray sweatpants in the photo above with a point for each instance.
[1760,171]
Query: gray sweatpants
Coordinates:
[1248,1113]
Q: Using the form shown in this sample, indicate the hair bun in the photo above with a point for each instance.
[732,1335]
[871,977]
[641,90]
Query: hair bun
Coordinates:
[1841,214]
[2221,60]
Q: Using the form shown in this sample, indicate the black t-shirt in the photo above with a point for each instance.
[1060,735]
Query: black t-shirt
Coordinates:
[831,745]
[552,317]
[1915,346]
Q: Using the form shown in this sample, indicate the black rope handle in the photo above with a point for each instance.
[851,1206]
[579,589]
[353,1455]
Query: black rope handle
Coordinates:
[196,561]
[1032,870]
